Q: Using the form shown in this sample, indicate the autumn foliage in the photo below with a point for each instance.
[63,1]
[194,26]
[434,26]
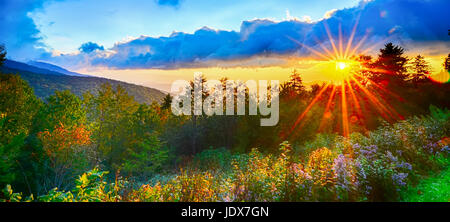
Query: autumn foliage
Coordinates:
[61,139]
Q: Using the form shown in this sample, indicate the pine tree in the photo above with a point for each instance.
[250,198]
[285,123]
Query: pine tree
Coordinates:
[294,87]
[420,69]
[167,102]
[391,62]
[447,63]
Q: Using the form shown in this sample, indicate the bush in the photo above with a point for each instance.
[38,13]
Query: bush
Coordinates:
[90,187]
[216,159]
[378,166]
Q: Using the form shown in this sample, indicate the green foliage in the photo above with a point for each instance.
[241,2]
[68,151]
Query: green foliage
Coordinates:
[214,159]
[10,196]
[167,102]
[111,113]
[147,158]
[440,114]
[18,105]
[45,85]
[377,167]
[57,196]
[64,108]
[8,155]
[321,140]
[90,187]
[433,189]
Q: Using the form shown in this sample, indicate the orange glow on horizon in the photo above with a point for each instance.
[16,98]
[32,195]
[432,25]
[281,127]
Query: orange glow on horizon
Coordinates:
[343,69]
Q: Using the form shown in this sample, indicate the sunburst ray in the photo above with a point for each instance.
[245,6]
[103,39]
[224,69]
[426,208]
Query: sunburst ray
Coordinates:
[353,92]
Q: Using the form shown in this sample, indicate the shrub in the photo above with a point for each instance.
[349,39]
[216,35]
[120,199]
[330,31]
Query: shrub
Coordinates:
[378,166]
[213,159]
[90,187]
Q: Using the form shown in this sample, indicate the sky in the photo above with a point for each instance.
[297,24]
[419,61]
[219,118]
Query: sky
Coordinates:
[154,42]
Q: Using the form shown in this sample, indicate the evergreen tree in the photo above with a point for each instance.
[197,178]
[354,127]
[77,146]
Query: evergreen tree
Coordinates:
[420,69]
[447,63]
[390,63]
[294,87]
[167,101]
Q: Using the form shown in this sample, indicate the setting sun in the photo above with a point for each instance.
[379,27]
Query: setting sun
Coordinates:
[341,65]
[338,71]
[343,68]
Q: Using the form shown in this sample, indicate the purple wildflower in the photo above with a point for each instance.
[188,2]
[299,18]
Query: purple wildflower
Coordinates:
[400,178]
[405,165]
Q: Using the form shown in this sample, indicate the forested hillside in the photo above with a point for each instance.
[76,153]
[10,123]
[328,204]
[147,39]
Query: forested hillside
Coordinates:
[46,82]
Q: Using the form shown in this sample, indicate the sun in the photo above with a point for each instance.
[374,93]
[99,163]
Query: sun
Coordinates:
[345,68]
[338,71]
[346,65]
[341,65]
[344,87]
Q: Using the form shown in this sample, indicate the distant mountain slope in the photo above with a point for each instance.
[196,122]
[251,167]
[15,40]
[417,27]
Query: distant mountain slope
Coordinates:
[45,82]
[51,67]
[10,64]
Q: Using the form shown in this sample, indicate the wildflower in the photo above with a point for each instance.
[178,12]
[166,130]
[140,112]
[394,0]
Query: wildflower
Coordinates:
[391,157]
[400,179]
[431,148]
[368,152]
[345,174]
[226,199]
[405,165]
[320,166]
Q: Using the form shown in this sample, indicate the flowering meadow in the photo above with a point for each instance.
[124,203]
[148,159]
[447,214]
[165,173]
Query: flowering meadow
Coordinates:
[379,166]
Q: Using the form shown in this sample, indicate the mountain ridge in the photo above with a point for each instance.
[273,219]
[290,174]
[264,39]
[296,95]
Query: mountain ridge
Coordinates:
[45,82]
[54,68]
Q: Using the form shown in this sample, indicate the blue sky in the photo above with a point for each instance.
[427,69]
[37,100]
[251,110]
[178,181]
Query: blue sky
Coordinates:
[65,25]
